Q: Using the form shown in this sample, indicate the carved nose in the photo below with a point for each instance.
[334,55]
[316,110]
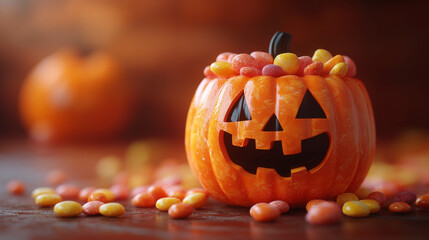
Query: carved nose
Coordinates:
[273,125]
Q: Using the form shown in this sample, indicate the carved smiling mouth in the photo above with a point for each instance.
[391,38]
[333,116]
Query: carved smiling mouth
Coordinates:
[313,151]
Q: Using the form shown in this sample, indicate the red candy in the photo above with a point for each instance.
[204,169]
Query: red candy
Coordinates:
[250,72]
[304,61]
[315,68]
[408,197]
[261,59]
[272,70]
[352,66]
[85,192]
[208,73]
[379,197]
[324,213]
[400,207]
[92,208]
[242,60]
[68,191]
[282,206]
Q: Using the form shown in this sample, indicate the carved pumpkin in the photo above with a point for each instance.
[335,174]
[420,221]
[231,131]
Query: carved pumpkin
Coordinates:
[73,97]
[293,138]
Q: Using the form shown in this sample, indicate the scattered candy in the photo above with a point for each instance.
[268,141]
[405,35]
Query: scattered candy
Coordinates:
[264,212]
[352,66]
[355,209]
[340,69]
[373,205]
[180,210]
[423,201]
[312,203]
[222,69]
[164,204]
[48,199]
[68,191]
[400,207]
[261,59]
[324,213]
[314,69]
[242,60]
[304,61]
[85,192]
[15,187]
[408,197]
[288,62]
[67,209]
[110,197]
[97,196]
[272,70]
[345,197]
[321,55]
[143,200]
[156,192]
[92,208]
[197,200]
[41,190]
[282,206]
[112,209]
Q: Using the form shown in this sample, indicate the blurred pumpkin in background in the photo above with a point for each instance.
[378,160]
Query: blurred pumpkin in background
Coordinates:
[71,96]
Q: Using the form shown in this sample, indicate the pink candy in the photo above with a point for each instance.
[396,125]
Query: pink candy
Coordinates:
[223,56]
[92,208]
[261,59]
[304,61]
[352,66]
[68,191]
[272,70]
[242,60]
[208,73]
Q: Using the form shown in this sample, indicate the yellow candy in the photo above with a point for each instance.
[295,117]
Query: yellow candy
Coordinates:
[321,55]
[48,199]
[355,209]
[340,69]
[362,192]
[327,67]
[222,69]
[345,197]
[110,196]
[112,209]
[373,205]
[197,200]
[164,204]
[41,190]
[288,62]
[68,209]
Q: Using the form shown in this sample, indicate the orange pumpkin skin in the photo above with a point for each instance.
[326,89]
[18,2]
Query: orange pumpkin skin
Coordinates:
[68,97]
[349,123]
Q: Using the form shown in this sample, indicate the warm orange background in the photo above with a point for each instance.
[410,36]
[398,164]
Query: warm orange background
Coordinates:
[164,46]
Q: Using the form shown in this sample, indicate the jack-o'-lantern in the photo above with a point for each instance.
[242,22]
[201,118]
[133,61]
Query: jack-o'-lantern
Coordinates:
[295,130]
[74,97]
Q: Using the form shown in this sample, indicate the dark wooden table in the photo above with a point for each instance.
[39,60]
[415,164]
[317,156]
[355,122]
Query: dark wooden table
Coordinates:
[20,218]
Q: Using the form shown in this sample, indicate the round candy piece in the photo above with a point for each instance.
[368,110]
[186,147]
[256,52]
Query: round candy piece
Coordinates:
[143,200]
[352,67]
[324,213]
[222,69]
[373,205]
[92,208]
[250,72]
[48,199]
[379,197]
[85,192]
[345,197]
[68,191]
[321,55]
[180,210]
[41,190]
[224,56]
[408,197]
[400,207]
[164,204]
[261,59]
[312,203]
[157,192]
[97,196]
[264,212]
[67,209]
[355,209]
[282,206]
[272,70]
[15,187]
[242,60]
[304,61]
[109,194]
[423,201]
[340,69]
[327,67]
[288,62]
[314,69]
[197,200]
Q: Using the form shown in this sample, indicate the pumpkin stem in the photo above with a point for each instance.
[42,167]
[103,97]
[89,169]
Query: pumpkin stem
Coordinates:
[280,43]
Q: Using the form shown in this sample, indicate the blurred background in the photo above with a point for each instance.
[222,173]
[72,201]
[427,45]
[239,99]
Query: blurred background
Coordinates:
[163,46]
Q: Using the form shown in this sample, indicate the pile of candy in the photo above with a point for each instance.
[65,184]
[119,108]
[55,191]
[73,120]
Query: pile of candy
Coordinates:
[262,63]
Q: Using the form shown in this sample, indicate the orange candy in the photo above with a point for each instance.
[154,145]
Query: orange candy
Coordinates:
[264,212]
[282,206]
[324,213]
[157,192]
[400,207]
[346,197]
[85,192]
[312,203]
[92,208]
[180,210]
[423,201]
[143,200]
[68,191]
[15,187]
[97,196]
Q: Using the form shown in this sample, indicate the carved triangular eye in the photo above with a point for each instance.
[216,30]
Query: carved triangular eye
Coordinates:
[310,108]
[240,111]
[273,125]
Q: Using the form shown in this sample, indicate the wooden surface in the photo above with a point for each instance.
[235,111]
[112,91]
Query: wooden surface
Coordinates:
[20,218]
